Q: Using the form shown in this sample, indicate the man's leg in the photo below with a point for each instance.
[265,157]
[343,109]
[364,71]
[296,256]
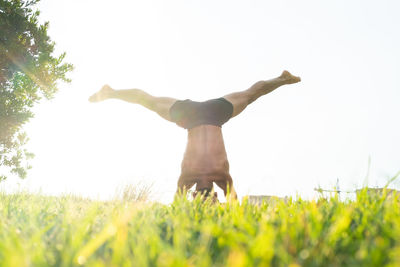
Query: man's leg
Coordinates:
[160,105]
[240,100]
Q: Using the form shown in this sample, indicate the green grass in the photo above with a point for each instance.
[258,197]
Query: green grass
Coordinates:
[36,230]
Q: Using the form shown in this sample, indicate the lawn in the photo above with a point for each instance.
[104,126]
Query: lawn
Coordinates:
[37,230]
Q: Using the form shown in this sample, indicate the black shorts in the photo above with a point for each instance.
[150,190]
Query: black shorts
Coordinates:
[189,114]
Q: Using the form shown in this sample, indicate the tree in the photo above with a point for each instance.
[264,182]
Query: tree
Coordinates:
[29,72]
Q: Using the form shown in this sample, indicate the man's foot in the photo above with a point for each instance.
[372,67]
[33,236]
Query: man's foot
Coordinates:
[288,78]
[104,93]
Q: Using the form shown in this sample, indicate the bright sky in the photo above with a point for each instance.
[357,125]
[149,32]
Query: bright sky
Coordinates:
[345,111]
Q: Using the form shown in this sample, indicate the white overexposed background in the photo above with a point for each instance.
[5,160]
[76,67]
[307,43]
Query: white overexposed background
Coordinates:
[343,113]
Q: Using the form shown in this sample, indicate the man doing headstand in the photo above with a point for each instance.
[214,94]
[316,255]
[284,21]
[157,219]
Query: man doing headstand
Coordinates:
[205,160]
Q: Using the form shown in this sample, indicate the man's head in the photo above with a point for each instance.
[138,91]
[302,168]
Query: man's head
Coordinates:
[206,193]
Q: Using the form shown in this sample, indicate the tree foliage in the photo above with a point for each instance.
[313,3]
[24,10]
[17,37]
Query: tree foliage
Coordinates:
[29,72]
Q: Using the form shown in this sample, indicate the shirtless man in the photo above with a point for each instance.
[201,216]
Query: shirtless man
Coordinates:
[205,160]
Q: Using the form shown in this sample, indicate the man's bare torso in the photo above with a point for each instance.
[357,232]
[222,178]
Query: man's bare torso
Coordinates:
[205,158]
